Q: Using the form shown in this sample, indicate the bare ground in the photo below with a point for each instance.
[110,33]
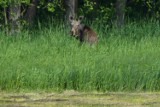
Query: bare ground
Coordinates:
[78,99]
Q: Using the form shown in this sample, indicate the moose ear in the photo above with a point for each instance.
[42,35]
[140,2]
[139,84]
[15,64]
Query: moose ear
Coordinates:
[80,18]
[71,18]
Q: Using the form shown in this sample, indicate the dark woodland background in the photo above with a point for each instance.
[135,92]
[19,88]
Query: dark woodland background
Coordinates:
[20,14]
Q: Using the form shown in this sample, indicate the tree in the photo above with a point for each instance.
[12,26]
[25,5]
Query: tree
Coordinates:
[14,17]
[70,9]
[31,12]
[120,12]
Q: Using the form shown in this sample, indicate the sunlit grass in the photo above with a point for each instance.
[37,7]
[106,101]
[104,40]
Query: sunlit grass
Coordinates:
[125,59]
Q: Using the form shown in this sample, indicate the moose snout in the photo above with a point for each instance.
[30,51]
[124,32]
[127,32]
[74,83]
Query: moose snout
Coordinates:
[73,32]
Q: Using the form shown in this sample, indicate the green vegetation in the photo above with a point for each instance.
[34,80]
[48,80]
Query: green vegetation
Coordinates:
[127,59]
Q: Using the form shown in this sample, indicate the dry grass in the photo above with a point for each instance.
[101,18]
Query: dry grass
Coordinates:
[77,99]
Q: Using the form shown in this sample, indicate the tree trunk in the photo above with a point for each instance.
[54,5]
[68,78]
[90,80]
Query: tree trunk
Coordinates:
[120,12]
[6,20]
[31,12]
[71,9]
[14,16]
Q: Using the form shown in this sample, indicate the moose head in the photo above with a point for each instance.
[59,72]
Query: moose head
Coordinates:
[76,25]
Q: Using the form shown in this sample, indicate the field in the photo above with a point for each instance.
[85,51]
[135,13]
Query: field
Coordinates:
[49,59]
[75,99]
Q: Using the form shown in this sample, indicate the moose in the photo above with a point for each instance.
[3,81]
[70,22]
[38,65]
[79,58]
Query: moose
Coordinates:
[81,31]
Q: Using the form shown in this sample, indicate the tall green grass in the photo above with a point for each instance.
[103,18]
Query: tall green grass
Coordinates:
[126,59]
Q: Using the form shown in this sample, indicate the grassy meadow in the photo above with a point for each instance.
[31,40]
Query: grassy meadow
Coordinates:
[49,59]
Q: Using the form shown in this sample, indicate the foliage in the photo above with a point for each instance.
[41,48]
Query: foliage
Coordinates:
[52,5]
[92,9]
[142,8]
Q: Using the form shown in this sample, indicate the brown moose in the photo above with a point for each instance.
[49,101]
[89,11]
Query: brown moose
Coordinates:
[82,32]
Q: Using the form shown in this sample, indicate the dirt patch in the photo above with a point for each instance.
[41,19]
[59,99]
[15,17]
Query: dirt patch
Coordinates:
[73,98]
